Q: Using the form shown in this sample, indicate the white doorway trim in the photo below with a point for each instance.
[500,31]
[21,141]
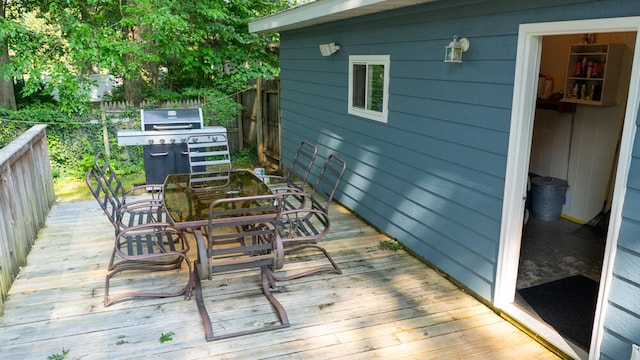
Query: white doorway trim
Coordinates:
[523,110]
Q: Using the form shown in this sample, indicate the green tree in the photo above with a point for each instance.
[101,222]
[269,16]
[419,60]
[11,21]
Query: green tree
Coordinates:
[156,46]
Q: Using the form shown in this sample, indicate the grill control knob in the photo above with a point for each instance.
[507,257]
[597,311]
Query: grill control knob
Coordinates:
[173,141]
[183,140]
[150,141]
[161,141]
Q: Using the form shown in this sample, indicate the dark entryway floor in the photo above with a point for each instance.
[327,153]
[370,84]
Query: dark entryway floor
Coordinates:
[555,250]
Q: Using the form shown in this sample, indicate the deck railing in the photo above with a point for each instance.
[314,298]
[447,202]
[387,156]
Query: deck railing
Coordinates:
[26,196]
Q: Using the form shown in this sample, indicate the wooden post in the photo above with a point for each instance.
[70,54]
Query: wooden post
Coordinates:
[259,122]
[240,123]
[105,133]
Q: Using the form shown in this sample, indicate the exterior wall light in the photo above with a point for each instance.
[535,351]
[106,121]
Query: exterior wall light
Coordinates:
[453,51]
[329,49]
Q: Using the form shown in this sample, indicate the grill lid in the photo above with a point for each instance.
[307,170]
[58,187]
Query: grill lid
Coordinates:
[171,119]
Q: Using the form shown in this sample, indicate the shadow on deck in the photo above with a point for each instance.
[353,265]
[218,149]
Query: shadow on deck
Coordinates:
[385,305]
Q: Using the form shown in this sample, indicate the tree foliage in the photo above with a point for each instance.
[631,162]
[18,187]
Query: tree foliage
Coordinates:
[157,47]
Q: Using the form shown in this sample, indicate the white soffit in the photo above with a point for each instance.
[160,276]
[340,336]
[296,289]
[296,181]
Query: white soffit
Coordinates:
[323,11]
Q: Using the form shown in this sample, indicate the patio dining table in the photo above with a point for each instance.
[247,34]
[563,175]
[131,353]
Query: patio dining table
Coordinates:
[187,196]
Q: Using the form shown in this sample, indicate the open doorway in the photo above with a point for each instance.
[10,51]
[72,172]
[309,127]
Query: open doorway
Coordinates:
[572,167]
[528,65]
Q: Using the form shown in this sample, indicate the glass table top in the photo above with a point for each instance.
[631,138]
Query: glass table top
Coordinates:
[187,196]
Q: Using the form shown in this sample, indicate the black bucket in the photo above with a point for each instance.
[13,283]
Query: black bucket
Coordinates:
[547,195]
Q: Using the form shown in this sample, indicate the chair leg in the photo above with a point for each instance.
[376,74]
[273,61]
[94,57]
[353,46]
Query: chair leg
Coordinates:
[334,268]
[267,284]
[186,290]
[206,320]
[202,262]
[204,315]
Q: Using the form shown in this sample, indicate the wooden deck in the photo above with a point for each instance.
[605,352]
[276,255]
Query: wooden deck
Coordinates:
[386,305]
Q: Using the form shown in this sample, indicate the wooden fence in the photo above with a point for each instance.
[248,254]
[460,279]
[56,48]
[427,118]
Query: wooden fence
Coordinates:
[260,120]
[257,125]
[26,196]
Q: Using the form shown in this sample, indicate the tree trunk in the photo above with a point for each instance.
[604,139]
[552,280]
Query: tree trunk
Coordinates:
[133,90]
[7,96]
[133,84]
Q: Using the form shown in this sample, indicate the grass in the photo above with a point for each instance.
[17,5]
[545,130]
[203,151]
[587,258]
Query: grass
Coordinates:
[76,189]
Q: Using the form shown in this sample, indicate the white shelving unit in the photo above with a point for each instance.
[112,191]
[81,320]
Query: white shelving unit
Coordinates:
[593,72]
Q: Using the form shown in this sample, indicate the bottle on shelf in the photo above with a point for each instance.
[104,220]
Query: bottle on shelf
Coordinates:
[577,69]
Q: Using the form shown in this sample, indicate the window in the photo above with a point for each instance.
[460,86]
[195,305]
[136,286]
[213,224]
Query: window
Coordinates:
[369,86]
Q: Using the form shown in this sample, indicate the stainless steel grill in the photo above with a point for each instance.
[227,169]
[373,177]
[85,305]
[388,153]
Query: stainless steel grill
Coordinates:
[164,136]
[167,126]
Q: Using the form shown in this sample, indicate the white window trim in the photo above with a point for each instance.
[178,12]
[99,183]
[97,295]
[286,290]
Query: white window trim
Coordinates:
[384,60]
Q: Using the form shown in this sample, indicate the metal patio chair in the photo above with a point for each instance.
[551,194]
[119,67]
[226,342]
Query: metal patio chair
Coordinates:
[303,225]
[241,235]
[122,217]
[149,248]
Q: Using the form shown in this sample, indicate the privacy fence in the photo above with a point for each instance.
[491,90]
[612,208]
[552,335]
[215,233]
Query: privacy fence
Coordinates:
[26,196]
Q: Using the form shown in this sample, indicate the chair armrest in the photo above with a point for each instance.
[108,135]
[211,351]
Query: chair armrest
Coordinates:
[154,209]
[299,225]
[278,249]
[156,194]
[142,205]
[293,198]
[202,263]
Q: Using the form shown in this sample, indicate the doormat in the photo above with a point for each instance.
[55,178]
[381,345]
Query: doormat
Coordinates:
[568,305]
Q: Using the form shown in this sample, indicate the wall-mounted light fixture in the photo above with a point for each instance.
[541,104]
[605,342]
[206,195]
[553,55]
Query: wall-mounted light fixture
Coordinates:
[329,49]
[453,51]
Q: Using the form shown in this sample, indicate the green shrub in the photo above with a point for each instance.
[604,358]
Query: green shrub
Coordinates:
[72,142]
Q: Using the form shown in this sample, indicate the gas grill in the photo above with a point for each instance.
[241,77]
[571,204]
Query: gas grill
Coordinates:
[164,138]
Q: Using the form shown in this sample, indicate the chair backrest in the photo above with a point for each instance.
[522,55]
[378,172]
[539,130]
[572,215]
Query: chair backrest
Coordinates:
[208,153]
[328,181]
[111,180]
[103,195]
[209,180]
[302,164]
[242,233]
[122,216]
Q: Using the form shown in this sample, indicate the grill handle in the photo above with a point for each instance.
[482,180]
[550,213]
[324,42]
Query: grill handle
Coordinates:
[172,127]
[159,154]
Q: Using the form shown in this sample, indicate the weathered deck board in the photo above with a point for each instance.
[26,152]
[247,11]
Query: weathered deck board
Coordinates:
[385,305]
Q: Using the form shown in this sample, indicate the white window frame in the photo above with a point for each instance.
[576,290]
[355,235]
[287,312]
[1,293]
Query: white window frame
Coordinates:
[384,60]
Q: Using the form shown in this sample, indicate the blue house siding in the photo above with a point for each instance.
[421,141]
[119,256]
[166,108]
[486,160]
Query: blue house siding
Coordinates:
[433,176]
[622,325]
